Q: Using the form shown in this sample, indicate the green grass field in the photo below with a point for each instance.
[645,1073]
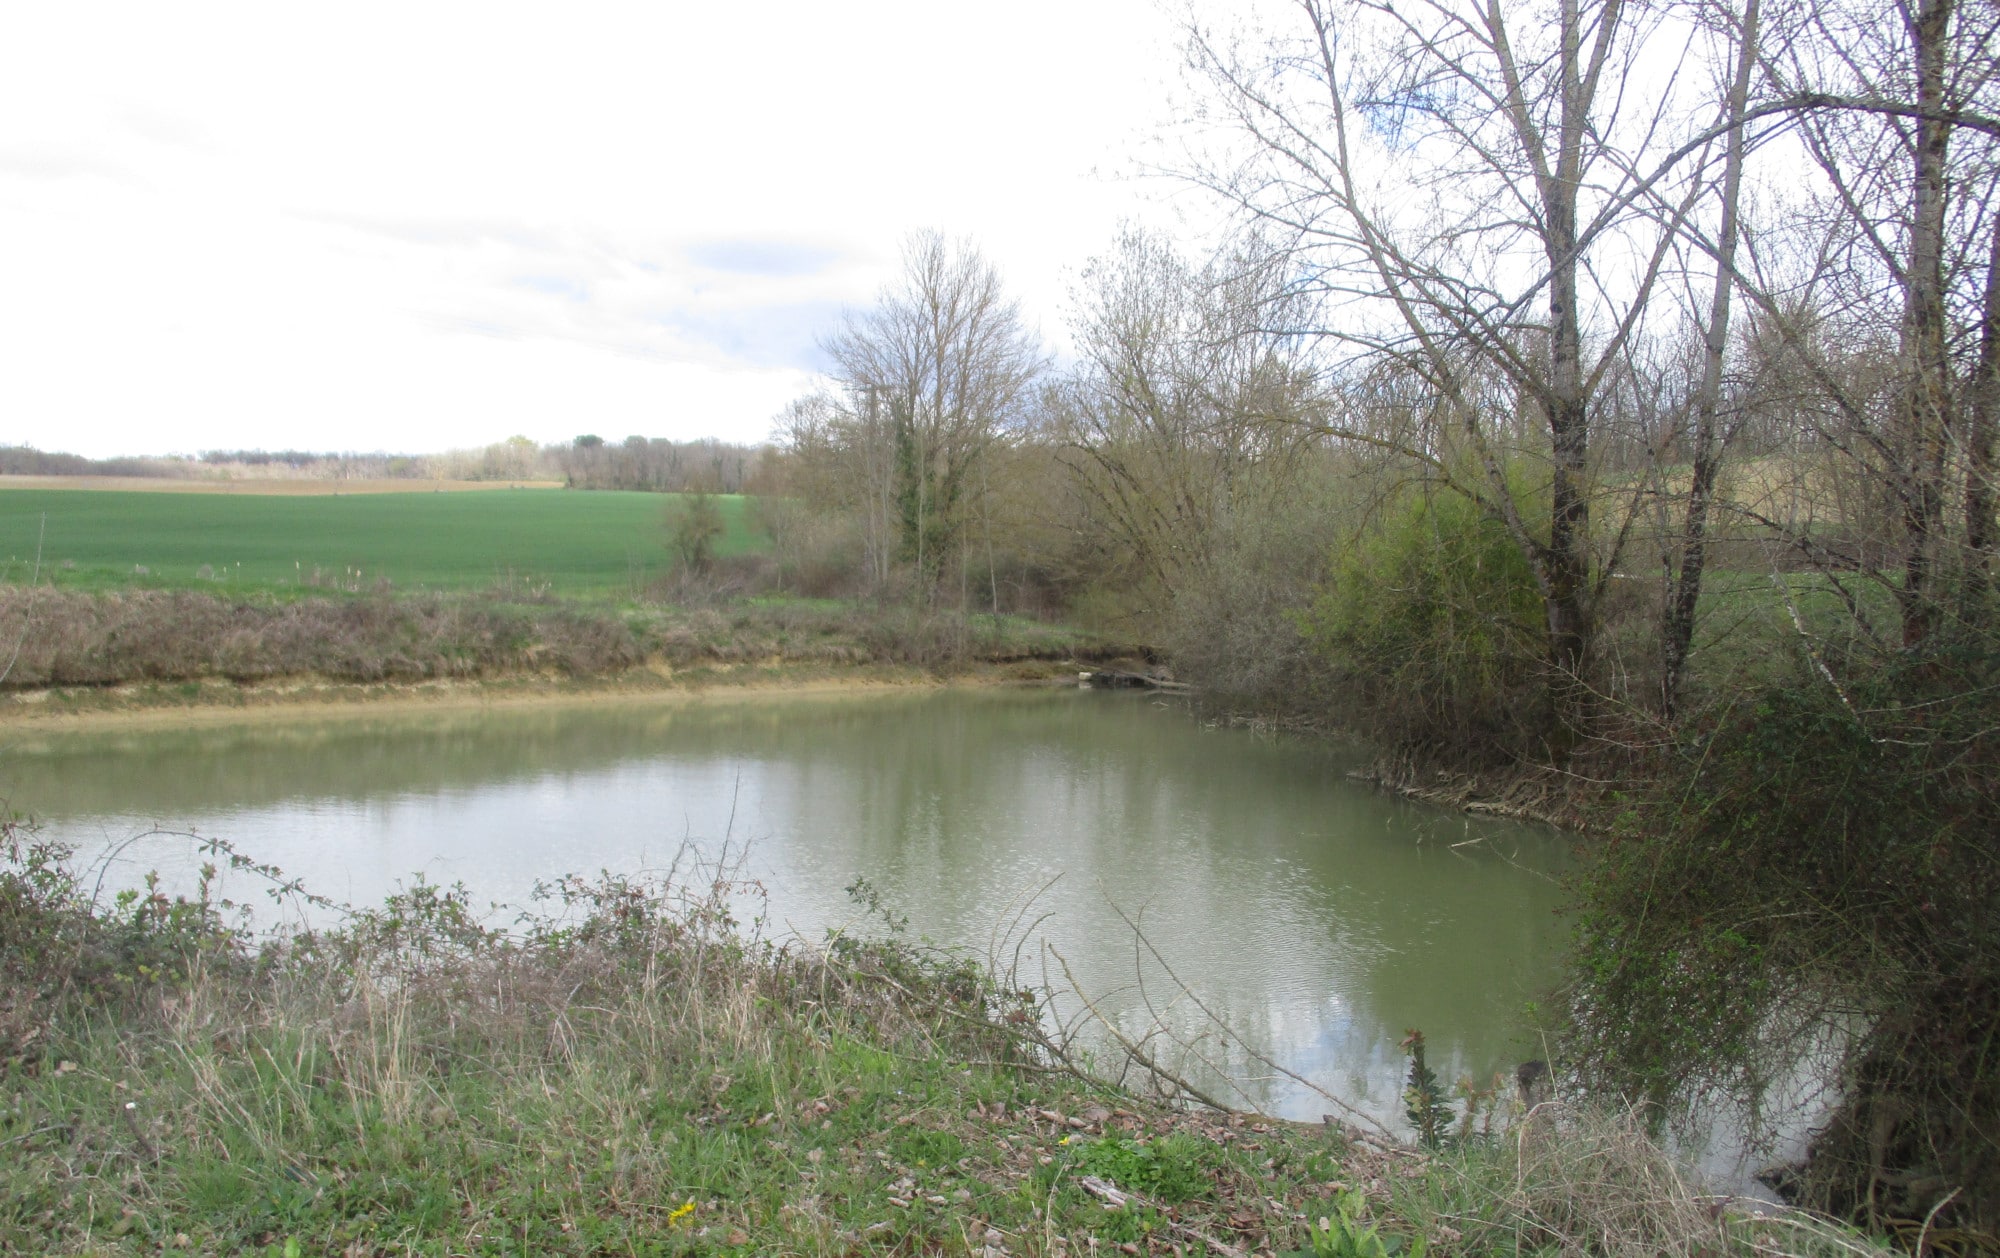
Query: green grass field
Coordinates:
[526,540]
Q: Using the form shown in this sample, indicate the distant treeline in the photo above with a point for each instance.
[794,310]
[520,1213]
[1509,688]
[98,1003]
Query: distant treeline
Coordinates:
[501,461]
[587,463]
[590,462]
[27,461]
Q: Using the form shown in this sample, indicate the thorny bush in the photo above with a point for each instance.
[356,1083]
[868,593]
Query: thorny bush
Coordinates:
[1820,884]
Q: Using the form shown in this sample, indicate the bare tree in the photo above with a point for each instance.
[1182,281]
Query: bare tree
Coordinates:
[1685,568]
[836,461]
[1183,409]
[1905,222]
[942,367]
[1474,191]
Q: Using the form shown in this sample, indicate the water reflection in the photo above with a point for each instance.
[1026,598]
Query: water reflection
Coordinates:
[1317,919]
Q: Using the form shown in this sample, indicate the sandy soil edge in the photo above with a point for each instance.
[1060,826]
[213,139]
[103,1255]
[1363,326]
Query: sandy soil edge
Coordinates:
[313,699]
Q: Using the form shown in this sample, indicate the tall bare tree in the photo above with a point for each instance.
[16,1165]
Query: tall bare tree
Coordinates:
[1474,191]
[941,367]
[1896,105]
[1685,568]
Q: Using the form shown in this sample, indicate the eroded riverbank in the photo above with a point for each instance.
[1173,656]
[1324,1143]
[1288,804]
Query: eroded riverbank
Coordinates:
[74,652]
[223,702]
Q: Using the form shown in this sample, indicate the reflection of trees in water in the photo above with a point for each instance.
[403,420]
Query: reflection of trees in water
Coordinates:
[1316,917]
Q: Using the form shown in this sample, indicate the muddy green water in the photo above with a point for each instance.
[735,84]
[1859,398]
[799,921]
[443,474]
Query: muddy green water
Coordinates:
[1314,918]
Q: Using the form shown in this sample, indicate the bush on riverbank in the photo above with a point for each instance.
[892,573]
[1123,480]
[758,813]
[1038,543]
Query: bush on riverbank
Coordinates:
[1815,881]
[1432,628]
[633,1070]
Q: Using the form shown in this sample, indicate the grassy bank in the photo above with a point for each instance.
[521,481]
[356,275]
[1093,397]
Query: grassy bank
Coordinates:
[180,643]
[124,599]
[634,1071]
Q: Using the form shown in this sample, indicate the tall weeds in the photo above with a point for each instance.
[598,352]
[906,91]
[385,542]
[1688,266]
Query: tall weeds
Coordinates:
[342,1078]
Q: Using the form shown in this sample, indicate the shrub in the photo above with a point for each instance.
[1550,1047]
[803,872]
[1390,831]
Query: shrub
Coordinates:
[1816,888]
[694,524]
[1234,628]
[58,946]
[1431,625]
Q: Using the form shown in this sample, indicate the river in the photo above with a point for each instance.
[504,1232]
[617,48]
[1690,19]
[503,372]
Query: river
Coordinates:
[1310,919]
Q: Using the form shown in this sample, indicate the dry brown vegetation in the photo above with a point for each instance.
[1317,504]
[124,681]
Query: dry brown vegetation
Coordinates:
[68,639]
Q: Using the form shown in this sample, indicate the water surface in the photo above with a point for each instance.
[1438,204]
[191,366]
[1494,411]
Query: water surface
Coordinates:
[1314,918]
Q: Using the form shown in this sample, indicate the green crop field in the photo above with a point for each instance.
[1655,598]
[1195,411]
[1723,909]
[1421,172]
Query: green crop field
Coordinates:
[525,540]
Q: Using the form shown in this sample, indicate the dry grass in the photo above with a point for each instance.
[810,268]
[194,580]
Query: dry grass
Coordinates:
[1584,1181]
[62,639]
[69,639]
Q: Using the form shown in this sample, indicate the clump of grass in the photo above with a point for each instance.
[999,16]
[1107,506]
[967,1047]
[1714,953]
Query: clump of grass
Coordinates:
[1588,1180]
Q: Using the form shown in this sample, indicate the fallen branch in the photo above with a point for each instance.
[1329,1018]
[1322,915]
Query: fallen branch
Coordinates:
[1118,1199]
[1133,1050]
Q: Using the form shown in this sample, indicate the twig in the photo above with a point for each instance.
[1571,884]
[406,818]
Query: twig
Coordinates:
[30,1135]
[131,1112]
[1924,1235]
[1812,653]
[1256,1056]
[1118,1198]
[1134,1051]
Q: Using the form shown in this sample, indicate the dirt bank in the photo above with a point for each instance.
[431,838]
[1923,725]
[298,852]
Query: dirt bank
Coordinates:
[224,702]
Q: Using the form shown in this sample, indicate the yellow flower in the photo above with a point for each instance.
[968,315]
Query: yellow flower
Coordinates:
[1065,1140]
[681,1212]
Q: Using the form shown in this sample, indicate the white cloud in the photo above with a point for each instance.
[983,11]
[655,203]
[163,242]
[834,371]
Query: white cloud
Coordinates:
[417,226]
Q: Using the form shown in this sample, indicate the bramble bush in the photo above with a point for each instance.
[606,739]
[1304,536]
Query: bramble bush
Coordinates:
[1816,883]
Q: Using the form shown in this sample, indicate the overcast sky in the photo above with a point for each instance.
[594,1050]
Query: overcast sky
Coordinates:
[417,226]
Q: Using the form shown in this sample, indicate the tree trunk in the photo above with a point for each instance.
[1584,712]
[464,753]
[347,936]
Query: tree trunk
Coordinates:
[1925,408]
[1684,588]
[1982,417]
[1567,591]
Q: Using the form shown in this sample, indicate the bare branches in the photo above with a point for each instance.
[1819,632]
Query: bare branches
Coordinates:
[1185,406]
[1465,187]
[933,376]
